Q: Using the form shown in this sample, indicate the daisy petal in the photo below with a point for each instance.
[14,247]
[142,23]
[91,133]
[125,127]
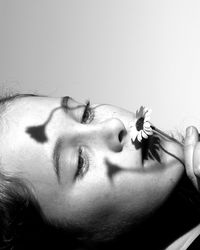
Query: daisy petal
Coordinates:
[143,123]
[144,135]
[140,113]
[139,136]
[149,132]
[147,129]
[146,125]
[147,117]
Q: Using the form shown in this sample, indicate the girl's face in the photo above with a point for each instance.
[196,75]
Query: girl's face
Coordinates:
[81,164]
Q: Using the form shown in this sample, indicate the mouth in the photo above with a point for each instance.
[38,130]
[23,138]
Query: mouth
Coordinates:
[150,148]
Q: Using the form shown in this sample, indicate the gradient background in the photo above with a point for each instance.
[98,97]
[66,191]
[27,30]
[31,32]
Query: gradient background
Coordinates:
[128,53]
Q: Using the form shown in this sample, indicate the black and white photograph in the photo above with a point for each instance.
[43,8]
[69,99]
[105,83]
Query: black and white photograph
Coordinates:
[99,125]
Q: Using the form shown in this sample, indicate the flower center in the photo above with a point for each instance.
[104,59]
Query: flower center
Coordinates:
[140,123]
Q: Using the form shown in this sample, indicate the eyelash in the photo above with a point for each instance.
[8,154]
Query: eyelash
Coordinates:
[88,114]
[83,161]
[83,164]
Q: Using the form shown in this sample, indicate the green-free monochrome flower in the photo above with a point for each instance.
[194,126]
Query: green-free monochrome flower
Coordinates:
[143,124]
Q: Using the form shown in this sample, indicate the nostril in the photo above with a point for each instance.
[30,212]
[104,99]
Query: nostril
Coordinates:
[121,135]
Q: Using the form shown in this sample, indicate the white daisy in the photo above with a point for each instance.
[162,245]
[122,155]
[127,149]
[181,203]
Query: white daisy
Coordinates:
[143,124]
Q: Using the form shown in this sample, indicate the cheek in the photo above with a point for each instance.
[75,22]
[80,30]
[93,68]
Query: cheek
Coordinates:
[94,196]
[90,197]
[133,195]
[138,194]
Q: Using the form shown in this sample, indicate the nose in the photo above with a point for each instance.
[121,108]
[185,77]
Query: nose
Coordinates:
[112,132]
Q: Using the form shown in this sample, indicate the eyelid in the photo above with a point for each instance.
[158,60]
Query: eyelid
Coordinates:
[72,107]
[77,110]
[84,169]
[91,110]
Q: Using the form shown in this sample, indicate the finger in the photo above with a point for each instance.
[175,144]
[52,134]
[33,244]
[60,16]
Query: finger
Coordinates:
[196,160]
[190,141]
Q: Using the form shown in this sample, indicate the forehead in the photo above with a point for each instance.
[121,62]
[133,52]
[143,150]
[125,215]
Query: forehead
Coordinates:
[18,148]
[27,106]
[19,113]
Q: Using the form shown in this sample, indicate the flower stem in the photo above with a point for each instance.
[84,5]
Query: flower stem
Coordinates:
[164,135]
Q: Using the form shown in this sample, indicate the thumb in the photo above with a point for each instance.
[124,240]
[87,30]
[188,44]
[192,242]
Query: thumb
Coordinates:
[189,146]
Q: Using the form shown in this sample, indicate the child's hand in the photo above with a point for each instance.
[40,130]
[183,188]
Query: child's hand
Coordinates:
[192,156]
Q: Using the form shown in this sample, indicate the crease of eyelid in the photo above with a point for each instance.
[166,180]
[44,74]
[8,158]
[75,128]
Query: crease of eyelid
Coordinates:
[56,158]
[74,108]
[67,106]
[98,105]
[87,158]
[76,165]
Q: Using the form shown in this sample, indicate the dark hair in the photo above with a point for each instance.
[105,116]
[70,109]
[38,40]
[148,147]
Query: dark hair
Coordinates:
[14,197]
[22,227]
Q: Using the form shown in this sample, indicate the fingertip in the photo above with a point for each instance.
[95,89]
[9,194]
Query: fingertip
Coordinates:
[196,160]
[192,135]
[189,131]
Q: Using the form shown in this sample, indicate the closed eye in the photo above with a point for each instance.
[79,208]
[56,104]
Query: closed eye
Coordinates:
[88,114]
[83,164]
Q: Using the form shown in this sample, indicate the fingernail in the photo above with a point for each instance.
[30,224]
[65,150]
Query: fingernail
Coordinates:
[189,131]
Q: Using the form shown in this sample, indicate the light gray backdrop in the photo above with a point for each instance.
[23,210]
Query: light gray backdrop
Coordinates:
[114,51]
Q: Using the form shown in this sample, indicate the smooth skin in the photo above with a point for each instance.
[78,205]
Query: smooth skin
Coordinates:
[90,197]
